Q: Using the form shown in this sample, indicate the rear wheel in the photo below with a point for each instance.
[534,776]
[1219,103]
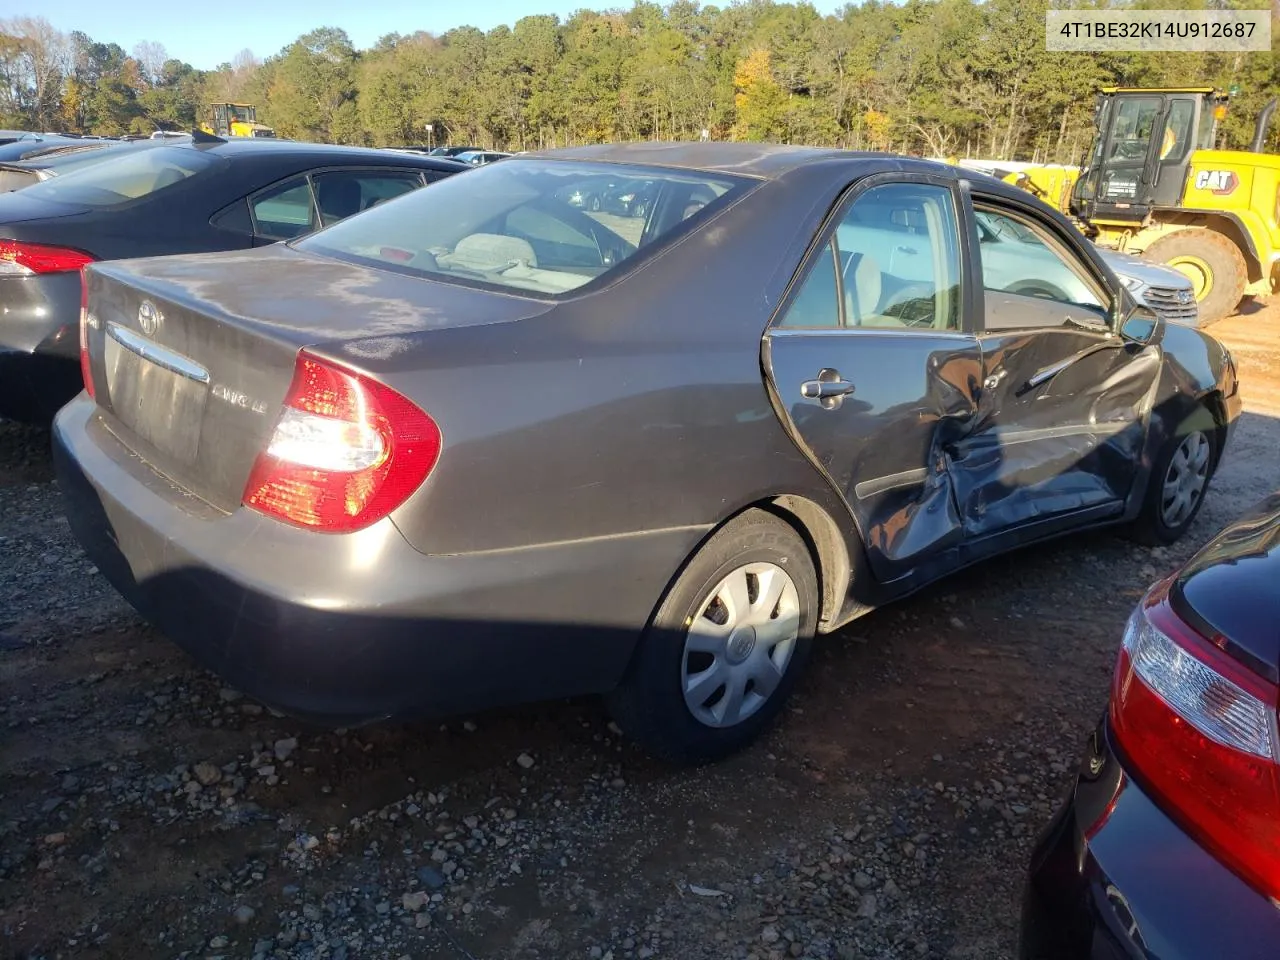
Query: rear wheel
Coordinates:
[1179,482]
[725,648]
[1211,261]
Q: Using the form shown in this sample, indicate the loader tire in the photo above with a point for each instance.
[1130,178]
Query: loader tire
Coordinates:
[1212,262]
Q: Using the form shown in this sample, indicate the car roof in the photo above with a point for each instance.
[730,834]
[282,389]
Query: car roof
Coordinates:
[764,160]
[258,146]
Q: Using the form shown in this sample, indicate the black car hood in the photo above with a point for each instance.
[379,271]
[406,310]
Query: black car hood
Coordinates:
[19,207]
[1233,586]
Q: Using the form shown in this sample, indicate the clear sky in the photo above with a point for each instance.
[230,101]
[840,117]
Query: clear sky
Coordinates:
[205,34]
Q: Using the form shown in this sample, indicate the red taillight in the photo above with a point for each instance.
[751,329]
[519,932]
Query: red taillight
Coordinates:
[27,259]
[1199,730]
[86,371]
[346,451]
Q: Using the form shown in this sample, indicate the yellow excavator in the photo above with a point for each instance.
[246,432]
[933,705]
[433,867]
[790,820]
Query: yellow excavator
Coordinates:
[1153,184]
[235,120]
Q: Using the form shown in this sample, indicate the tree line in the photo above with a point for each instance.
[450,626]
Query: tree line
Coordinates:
[931,77]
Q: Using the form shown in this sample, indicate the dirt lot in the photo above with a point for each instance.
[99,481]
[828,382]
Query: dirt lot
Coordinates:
[146,811]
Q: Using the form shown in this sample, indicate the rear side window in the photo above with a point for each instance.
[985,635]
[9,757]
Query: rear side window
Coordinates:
[541,226]
[133,175]
[894,262]
[284,211]
[344,193]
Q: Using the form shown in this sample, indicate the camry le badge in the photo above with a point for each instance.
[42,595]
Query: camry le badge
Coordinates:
[149,318]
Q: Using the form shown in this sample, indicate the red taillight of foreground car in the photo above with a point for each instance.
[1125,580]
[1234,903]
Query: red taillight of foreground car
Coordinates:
[28,259]
[86,372]
[1199,731]
[346,451]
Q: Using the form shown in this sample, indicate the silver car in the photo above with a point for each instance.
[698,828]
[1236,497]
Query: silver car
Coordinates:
[1163,289]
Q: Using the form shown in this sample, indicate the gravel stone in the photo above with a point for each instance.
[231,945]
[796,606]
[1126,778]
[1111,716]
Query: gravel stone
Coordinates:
[341,848]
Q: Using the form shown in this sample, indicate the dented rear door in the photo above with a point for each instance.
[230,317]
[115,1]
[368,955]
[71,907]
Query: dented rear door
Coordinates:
[873,367]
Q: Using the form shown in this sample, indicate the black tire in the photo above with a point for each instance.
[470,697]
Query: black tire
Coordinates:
[650,703]
[1219,255]
[1152,526]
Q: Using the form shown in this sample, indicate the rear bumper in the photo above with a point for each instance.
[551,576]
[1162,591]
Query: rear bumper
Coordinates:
[39,345]
[1113,877]
[33,386]
[351,628]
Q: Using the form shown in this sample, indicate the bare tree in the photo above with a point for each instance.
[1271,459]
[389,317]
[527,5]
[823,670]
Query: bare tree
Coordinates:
[941,139]
[42,58]
[151,57]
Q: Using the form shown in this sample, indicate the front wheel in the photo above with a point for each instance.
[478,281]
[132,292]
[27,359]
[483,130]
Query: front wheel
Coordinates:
[726,646]
[1179,482]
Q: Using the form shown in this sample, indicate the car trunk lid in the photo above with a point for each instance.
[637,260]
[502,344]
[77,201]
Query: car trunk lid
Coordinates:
[1228,589]
[192,356]
[18,206]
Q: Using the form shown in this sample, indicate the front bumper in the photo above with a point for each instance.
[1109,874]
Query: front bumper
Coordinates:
[1113,877]
[356,627]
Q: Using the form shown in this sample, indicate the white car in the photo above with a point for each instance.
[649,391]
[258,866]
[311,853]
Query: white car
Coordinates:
[1163,289]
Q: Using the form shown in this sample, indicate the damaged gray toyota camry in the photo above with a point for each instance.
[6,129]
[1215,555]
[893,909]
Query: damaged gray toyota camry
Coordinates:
[479,445]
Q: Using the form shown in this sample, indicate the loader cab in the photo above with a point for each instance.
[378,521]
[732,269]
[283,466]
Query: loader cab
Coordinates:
[1142,148]
[221,122]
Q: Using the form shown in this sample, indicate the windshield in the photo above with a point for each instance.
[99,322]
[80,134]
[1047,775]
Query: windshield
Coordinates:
[243,114]
[537,225]
[131,176]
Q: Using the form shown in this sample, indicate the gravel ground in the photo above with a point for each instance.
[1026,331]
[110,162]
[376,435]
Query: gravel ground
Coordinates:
[147,811]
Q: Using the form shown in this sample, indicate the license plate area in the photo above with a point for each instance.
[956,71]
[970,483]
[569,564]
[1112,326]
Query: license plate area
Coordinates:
[155,392]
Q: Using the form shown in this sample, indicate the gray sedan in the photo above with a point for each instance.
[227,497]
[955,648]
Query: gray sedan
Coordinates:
[478,445]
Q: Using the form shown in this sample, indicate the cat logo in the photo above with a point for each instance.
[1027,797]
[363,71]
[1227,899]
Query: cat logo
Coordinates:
[1218,182]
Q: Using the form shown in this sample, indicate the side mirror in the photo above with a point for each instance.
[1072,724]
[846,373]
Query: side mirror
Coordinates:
[1139,326]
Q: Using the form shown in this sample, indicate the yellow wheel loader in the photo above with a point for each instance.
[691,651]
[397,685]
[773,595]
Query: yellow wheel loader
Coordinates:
[235,120]
[1152,184]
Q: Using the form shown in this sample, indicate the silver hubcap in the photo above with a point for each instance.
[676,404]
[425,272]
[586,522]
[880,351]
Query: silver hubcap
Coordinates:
[739,644]
[1184,482]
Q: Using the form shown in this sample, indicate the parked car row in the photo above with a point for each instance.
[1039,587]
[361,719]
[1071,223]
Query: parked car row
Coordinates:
[159,197]
[643,421]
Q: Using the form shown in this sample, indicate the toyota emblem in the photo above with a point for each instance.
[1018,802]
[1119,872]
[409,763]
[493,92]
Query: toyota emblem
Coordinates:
[149,318]
[1185,297]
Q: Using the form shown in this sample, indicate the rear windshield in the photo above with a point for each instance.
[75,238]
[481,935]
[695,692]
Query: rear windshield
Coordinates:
[132,175]
[543,226]
[15,178]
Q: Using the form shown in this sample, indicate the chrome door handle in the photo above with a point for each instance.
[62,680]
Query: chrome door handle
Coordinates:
[825,389]
[829,389]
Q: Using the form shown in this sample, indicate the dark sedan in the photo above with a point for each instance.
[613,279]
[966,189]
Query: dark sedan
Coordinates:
[30,144]
[1169,845]
[481,446]
[157,198]
[632,198]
